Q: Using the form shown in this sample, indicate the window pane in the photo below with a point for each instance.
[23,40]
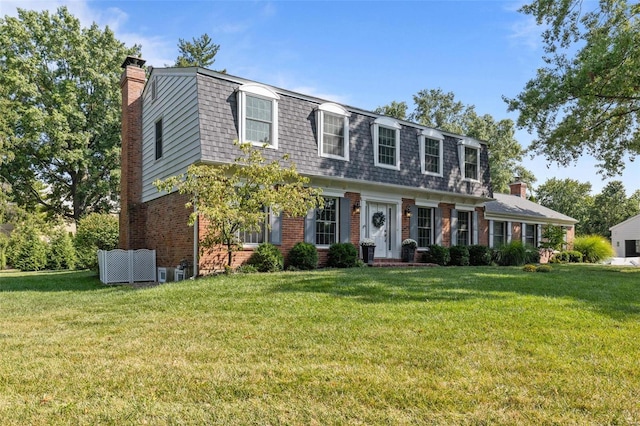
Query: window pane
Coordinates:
[463,228]
[530,236]
[498,233]
[424,227]
[386,146]
[327,222]
[471,163]
[258,109]
[431,156]
[258,132]
[158,139]
[333,135]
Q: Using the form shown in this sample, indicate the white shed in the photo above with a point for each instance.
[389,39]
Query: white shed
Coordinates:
[625,237]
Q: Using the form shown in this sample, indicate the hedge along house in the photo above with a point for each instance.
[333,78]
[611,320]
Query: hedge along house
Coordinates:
[382,178]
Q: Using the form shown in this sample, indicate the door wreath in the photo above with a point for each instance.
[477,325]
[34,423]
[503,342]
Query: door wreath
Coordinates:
[378,219]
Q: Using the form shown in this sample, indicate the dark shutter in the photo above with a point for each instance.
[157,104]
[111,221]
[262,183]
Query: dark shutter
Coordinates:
[474,239]
[310,227]
[413,223]
[437,231]
[275,234]
[345,220]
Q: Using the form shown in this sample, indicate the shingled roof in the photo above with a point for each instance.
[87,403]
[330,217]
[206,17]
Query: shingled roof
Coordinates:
[515,208]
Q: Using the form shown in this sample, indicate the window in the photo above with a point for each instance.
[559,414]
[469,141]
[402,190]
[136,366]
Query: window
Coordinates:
[431,152]
[530,236]
[327,222]
[499,233]
[386,141]
[425,226]
[469,155]
[159,139]
[258,115]
[154,89]
[464,228]
[333,131]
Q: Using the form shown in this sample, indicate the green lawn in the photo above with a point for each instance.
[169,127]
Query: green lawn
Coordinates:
[361,346]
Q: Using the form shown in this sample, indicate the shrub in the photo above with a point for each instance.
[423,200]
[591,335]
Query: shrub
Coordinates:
[303,256]
[246,269]
[4,244]
[62,253]
[544,268]
[479,255]
[594,248]
[459,256]
[95,232]
[571,256]
[27,251]
[267,258]
[529,268]
[436,254]
[574,256]
[342,255]
[531,254]
[512,254]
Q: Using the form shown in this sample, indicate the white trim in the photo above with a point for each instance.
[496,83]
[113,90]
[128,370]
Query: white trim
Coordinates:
[422,141]
[465,207]
[426,203]
[331,192]
[473,144]
[336,110]
[263,92]
[387,123]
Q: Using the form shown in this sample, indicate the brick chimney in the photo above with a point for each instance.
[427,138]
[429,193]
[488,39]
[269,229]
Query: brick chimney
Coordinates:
[518,188]
[132,211]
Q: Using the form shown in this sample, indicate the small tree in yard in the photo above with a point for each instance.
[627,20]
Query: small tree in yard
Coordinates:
[233,198]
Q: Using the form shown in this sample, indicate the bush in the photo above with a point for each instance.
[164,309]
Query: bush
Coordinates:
[95,232]
[512,254]
[531,254]
[459,256]
[246,269]
[479,255]
[544,268]
[594,248]
[303,256]
[343,255]
[436,254]
[267,258]
[27,251]
[62,253]
[4,244]
[529,268]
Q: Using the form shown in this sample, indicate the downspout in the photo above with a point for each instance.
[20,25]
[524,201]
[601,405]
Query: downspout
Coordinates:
[196,223]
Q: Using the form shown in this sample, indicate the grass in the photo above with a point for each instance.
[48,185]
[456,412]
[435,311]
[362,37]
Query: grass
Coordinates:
[363,346]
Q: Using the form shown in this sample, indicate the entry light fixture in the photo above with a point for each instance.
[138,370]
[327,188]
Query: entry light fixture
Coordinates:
[356,207]
[407,212]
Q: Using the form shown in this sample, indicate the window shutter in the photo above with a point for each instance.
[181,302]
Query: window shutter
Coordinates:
[310,227]
[413,223]
[475,227]
[275,233]
[454,227]
[508,232]
[345,220]
[539,236]
[523,232]
[491,233]
[437,213]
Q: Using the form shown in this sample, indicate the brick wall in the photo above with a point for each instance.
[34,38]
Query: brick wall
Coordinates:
[483,228]
[446,223]
[167,230]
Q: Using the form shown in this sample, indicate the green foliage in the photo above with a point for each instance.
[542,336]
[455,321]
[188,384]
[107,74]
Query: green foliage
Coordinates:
[246,269]
[267,258]
[553,237]
[60,109]
[232,197]
[303,256]
[95,232]
[544,268]
[585,99]
[594,248]
[62,252]
[511,254]
[529,268]
[27,249]
[479,255]
[200,52]
[436,254]
[609,208]
[459,256]
[569,197]
[4,244]
[342,255]
[569,256]
[394,109]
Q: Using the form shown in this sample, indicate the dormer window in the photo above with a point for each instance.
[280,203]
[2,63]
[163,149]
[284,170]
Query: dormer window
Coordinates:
[258,115]
[431,152]
[469,156]
[333,131]
[386,143]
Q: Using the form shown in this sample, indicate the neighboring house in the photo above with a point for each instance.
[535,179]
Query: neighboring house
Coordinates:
[382,178]
[625,237]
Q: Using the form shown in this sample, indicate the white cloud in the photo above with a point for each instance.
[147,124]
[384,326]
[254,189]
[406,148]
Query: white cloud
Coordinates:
[526,32]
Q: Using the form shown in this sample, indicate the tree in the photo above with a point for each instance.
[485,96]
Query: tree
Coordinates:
[394,109]
[587,97]
[435,108]
[233,198]
[61,113]
[611,207]
[200,52]
[569,197]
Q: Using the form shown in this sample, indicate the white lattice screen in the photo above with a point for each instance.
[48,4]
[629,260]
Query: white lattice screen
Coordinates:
[127,266]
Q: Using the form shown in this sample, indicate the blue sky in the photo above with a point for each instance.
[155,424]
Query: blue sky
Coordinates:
[359,53]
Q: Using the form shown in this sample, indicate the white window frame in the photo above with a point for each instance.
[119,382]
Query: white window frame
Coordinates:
[472,144]
[387,123]
[336,200]
[469,231]
[431,210]
[262,92]
[422,140]
[337,110]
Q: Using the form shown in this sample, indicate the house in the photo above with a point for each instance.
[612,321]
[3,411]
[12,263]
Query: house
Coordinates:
[382,178]
[625,237]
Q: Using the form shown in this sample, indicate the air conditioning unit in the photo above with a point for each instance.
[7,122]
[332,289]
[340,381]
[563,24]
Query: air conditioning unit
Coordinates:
[166,275]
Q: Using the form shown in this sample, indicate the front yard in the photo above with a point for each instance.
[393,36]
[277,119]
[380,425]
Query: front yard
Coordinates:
[362,346]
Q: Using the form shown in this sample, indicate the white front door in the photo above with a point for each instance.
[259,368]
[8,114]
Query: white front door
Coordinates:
[380,227]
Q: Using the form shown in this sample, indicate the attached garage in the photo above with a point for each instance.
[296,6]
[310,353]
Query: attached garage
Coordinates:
[625,237]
